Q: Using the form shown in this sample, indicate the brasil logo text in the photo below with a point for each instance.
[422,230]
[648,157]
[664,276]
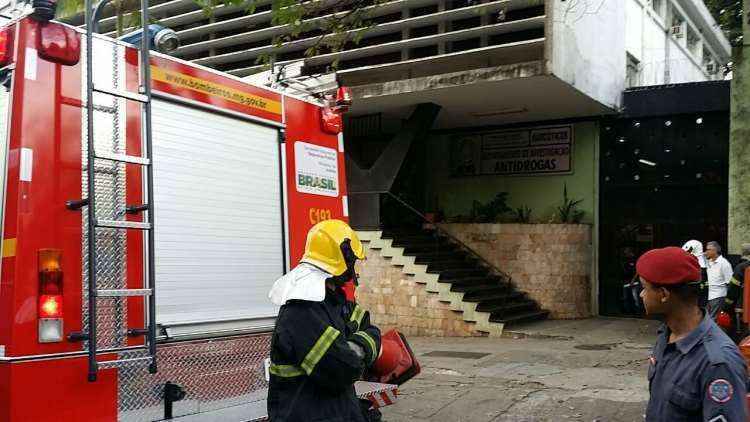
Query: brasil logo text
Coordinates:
[316,182]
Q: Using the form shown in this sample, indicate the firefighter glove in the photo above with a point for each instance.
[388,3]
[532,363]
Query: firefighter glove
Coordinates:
[357,349]
[352,327]
[367,343]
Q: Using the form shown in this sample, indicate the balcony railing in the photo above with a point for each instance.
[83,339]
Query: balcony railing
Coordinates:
[232,41]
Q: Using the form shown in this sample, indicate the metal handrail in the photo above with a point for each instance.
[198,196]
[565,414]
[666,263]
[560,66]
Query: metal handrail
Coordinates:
[445,233]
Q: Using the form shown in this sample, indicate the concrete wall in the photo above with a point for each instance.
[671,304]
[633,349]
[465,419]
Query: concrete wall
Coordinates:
[647,40]
[586,45]
[590,41]
[550,262]
[540,193]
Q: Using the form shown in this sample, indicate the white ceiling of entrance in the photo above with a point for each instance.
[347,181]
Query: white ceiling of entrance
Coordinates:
[525,99]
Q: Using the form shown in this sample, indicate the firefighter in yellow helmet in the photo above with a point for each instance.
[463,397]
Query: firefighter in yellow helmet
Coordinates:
[322,343]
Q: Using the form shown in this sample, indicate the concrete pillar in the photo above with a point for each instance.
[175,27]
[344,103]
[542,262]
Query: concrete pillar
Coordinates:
[442,28]
[212,36]
[739,143]
[405,32]
[667,44]
[367,184]
[484,21]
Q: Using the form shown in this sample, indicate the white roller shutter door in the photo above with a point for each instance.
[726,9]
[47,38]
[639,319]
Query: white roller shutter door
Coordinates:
[217,200]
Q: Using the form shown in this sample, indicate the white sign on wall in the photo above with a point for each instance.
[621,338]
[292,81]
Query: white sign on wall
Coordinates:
[317,169]
[534,151]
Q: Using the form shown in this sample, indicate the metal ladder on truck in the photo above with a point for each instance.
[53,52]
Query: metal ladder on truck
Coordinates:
[143,97]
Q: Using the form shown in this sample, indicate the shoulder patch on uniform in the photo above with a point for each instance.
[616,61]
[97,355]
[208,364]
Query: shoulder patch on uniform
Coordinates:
[720,391]
[719,418]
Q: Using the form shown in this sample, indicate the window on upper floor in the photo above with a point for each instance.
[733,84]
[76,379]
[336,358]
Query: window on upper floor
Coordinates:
[710,64]
[658,6]
[677,19]
[633,72]
[693,41]
[677,25]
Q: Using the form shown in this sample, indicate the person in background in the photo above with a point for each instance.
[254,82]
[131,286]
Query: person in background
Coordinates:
[736,284]
[631,288]
[696,372]
[719,276]
[695,248]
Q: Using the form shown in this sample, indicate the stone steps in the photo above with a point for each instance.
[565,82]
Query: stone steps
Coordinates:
[530,316]
[481,320]
[488,300]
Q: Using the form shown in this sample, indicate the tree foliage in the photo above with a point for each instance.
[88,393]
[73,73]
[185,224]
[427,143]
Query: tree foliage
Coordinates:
[728,15]
[127,12]
[332,24]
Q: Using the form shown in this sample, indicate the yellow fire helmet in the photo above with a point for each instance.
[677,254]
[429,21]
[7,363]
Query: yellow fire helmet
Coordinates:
[323,247]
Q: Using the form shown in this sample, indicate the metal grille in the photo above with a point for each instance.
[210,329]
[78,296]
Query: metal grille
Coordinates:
[109,130]
[215,374]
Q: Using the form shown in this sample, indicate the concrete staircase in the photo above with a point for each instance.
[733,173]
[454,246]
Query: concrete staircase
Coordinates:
[484,298]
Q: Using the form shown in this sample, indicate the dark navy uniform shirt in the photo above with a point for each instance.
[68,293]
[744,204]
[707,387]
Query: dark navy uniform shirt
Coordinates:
[701,377]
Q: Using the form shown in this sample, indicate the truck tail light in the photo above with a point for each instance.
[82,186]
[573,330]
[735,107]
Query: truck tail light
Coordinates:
[50,306]
[6,46]
[58,43]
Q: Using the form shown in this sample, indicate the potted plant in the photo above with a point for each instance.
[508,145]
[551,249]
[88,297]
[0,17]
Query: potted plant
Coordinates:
[568,212]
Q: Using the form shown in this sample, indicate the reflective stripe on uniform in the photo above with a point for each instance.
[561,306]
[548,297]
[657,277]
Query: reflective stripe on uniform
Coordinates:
[286,371]
[736,282]
[370,342]
[319,349]
[357,314]
[311,359]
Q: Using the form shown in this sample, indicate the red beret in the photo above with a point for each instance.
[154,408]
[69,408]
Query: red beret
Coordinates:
[668,266]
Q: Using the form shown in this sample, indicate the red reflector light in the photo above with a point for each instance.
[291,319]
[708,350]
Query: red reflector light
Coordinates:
[331,121]
[343,98]
[50,306]
[58,43]
[6,46]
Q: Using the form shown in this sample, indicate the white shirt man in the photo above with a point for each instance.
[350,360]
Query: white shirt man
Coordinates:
[719,275]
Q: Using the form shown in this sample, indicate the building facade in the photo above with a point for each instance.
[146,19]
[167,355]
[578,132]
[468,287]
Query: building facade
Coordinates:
[457,101]
[643,42]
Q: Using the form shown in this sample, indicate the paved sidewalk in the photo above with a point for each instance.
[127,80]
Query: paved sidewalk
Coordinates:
[587,370]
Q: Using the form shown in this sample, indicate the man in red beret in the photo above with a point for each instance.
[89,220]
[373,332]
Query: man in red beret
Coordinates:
[696,372]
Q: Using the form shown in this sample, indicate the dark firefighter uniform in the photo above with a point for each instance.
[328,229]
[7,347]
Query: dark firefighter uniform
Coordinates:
[734,290]
[322,343]
[702,376]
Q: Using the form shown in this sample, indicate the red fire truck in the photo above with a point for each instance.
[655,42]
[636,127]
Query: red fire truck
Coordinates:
[143,225]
